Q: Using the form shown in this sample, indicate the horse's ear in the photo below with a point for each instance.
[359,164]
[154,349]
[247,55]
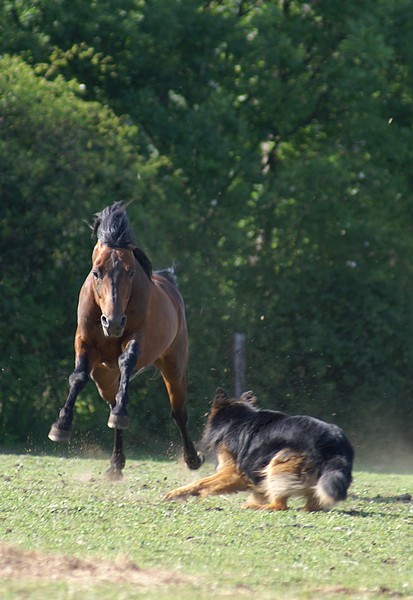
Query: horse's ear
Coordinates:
[97,247]
[249,397]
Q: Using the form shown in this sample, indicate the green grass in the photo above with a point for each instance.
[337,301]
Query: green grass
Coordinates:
[363,548]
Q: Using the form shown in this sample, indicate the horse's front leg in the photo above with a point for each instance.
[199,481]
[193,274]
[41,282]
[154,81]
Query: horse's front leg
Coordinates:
[118,418]
[60,430]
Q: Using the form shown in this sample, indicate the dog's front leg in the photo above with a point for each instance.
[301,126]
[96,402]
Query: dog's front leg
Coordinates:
[225,481]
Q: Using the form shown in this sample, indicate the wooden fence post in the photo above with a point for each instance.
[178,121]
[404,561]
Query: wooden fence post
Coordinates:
[238,364]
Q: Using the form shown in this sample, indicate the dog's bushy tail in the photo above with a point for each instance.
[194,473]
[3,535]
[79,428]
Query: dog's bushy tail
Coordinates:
[334,481]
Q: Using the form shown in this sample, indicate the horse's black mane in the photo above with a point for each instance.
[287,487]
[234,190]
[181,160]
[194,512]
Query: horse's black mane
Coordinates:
[111,227]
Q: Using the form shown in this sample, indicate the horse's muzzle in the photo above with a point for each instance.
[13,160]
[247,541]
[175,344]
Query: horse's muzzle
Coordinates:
[114,326]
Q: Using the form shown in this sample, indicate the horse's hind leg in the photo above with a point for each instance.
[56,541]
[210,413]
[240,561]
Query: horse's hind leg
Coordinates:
[176,387]
[179,412]
[107,383]
[60,430]
[117,461]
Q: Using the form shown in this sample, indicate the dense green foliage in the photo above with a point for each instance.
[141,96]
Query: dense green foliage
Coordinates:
[361,549]
[268,147]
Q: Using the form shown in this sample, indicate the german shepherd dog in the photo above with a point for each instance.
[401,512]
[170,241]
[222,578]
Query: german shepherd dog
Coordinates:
[273,455]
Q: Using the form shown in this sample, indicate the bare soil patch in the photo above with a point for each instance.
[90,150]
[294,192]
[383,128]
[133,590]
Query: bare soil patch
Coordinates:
[16,563]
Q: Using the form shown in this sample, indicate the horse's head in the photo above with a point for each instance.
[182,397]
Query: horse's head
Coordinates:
[113,270]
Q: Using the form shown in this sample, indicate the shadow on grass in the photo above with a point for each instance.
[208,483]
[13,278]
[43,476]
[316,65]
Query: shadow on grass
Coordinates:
[399,498]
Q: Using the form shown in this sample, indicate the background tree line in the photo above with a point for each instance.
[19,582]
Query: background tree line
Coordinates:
[266,148]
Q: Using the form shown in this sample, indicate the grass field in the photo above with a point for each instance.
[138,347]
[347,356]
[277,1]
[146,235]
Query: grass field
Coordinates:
[66,532]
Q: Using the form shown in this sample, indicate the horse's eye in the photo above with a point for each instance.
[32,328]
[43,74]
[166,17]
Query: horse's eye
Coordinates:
[131,273]
[96,274]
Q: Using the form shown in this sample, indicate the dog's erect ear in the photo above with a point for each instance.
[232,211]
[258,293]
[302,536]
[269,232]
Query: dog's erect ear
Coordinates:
[249,397]
[220,400]
[221,397]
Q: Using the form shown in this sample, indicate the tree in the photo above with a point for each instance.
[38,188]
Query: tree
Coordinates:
[281,132]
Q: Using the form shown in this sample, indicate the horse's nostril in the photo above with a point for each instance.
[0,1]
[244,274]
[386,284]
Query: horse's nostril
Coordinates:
[113,326]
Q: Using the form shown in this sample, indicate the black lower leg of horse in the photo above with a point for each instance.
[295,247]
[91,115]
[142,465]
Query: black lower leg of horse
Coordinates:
[117,461]
[118,418]
[60,430]
[192,458]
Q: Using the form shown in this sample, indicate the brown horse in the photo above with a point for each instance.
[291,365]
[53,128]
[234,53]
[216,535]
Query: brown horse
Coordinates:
[128,318]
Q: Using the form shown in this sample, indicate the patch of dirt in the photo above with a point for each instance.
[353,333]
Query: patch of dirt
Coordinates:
[334,590]
[338,590]
[16,563]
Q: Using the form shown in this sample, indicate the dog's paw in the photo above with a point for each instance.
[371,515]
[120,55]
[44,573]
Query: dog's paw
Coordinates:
[252,505]
[175,495]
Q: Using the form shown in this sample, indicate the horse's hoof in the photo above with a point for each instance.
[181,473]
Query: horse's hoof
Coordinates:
[118,421]
[195,461]
[113,474]
[59,435]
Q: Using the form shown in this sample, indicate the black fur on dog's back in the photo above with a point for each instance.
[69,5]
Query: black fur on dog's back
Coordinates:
[253,437]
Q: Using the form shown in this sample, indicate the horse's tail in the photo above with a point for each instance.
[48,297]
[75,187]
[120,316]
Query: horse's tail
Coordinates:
[334,482]
[169,274]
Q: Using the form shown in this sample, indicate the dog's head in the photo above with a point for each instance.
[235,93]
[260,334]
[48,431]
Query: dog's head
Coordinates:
[225,411]
[222,399]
